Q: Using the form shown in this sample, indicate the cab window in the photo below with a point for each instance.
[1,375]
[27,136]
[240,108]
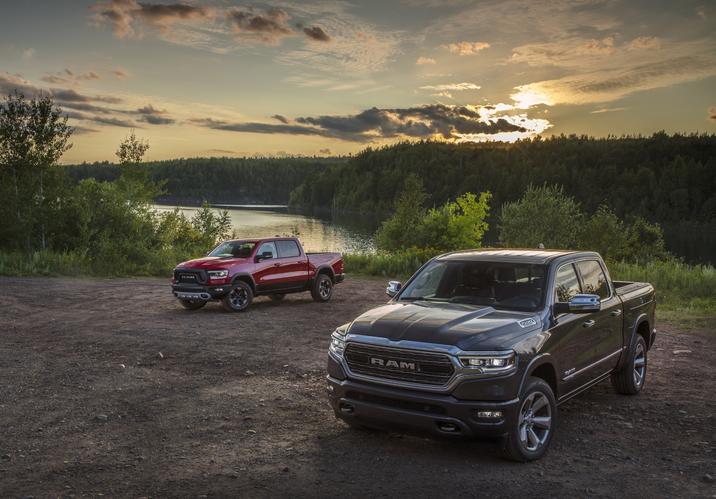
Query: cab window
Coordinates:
[566,284]
[267,248]
[287,249]
[593,278]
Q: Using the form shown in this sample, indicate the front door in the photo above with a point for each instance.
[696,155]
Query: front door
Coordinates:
[572,350]
[268,268]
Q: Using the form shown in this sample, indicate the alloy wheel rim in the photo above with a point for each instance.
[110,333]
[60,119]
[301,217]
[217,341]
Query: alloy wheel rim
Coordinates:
[639,365]
[535,422]
[324,288]
[238,297]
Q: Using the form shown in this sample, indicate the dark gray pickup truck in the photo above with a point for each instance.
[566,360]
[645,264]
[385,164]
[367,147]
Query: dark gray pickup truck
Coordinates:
[488,343]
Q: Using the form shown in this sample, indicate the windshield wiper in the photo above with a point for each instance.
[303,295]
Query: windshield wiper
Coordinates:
[418,298]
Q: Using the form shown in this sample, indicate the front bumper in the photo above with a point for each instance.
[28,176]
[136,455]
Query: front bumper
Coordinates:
[200,292]
[339,278]
[388,408]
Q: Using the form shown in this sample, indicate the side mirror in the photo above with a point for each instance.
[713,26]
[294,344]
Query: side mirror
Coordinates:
[393,288]
[266,255]
[579,304]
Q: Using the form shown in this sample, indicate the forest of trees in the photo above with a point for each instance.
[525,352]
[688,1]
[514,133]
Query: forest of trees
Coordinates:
[670,180]
[667,179]
[219,180]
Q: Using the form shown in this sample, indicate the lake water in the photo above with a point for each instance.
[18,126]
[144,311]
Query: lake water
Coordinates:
[314,233]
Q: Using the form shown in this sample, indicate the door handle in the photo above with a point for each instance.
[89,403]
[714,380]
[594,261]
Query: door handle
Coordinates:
[588,323]
[616,313]
[276,264]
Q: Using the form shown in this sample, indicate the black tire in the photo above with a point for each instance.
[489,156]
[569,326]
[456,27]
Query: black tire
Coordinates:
[277,297]
[192,304]
[322,289]
[239,298]
[629,380]
[531,431]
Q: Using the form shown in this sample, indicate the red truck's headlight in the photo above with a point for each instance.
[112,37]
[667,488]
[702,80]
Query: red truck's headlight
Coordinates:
[218,274]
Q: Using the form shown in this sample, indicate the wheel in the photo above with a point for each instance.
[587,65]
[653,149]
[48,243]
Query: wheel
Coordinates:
[239,298]
[531,432]
[630,379]
[192,304]
[322,288]
[277,297]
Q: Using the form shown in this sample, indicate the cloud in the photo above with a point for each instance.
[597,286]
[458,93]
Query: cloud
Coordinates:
[280,118]
[451,87]
[153,116]
[466,48]
[126,16]
[644,42]
[325,152]
[120,73]
[317,34]
[28,53]
[423,61]
[69,77]
[610,85]
[434,121]
[602,110]
[712,113]
[270,27]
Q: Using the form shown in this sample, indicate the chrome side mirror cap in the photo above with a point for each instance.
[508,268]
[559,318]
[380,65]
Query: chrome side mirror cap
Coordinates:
[393,288]
[579,304]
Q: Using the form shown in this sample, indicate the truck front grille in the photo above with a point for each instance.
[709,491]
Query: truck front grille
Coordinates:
[190,276]
[399,364]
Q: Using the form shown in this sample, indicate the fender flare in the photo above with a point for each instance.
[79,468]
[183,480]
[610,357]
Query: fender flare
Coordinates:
[643,317]
[325,267]
[538,361]
[241,276]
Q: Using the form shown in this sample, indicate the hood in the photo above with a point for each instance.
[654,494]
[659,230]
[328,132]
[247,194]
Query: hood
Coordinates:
[466,327]
[211,262]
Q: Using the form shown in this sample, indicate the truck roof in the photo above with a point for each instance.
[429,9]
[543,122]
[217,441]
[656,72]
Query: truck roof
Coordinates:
[533,256]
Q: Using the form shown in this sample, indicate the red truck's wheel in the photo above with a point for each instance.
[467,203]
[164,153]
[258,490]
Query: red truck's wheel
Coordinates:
[239,298]
[323,288]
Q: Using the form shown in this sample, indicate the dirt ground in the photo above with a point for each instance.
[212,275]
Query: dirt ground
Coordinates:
[108,387]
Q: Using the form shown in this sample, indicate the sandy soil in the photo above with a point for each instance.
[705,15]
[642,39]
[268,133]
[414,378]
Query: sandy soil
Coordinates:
[110,388]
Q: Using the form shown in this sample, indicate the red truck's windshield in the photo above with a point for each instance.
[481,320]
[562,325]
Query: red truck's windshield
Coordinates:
[509,286]
[234,249]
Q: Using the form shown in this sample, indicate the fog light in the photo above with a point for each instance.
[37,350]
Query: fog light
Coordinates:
[489,414]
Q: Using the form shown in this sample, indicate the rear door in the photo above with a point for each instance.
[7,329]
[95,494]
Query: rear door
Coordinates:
[293,265]
[605,327]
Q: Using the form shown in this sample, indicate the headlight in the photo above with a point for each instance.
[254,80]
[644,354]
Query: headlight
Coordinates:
[489,363]
[218,274]
[338,341]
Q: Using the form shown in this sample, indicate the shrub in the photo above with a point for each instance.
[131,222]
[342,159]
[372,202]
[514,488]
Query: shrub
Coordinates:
[544,215]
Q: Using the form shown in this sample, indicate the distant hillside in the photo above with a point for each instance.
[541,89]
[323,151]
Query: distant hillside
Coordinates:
[667,179]
[220,180]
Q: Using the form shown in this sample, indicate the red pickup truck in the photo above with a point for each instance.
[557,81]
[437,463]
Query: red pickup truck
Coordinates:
[236,271]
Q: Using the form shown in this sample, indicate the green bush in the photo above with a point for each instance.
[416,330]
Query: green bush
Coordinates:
[544,215]
[454,225]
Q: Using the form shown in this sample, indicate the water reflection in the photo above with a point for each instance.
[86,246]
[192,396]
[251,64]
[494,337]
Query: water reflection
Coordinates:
[315,234]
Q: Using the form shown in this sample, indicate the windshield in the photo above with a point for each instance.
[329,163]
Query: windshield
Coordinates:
[234,249]
[508,286]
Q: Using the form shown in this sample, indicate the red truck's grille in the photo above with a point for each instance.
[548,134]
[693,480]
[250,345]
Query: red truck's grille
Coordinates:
[399,364]
[188,276]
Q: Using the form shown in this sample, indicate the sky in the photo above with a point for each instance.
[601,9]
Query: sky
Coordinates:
[235,78]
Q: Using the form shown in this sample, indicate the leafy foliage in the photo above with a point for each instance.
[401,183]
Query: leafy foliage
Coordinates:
[106,227]
[455,225]
[544,215]
[670,180]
